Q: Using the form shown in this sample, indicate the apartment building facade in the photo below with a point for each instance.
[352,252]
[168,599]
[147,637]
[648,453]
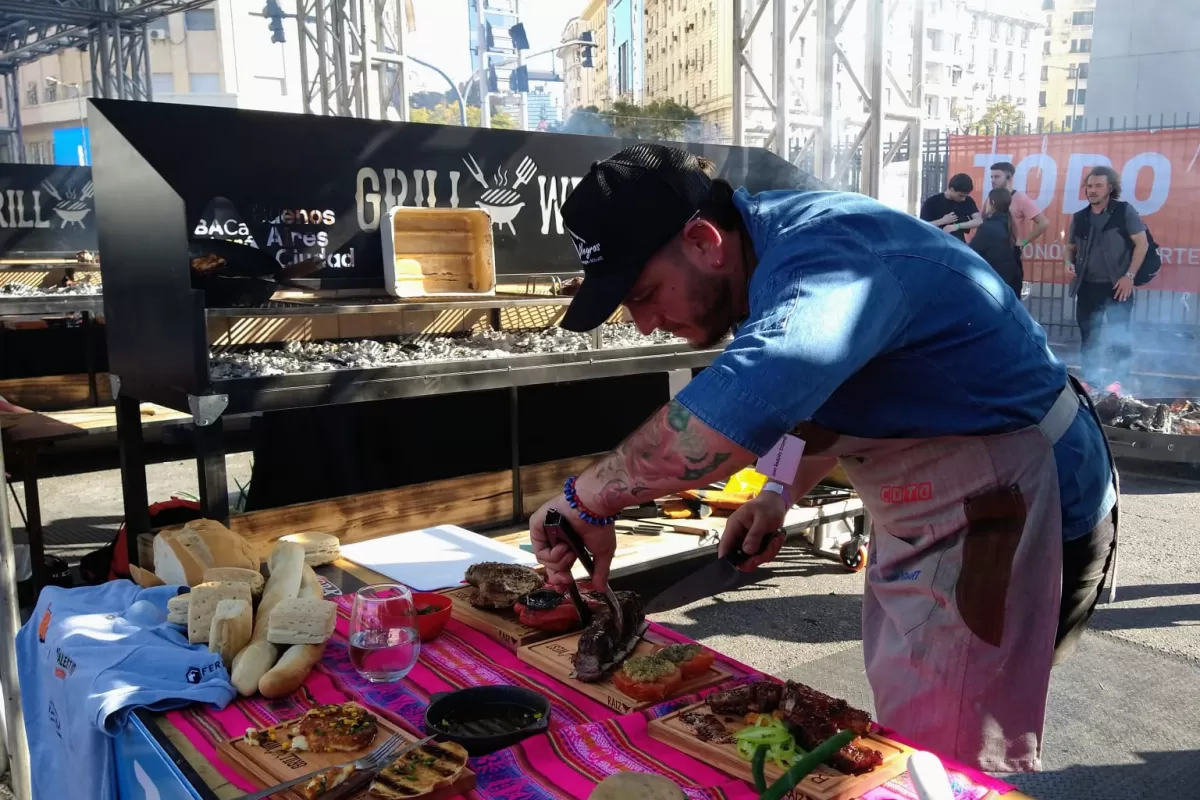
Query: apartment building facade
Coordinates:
[219,55]
[1066,63]
[689,59]
[583,86]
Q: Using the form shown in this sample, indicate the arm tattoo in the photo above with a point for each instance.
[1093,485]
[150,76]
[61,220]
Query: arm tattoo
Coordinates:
[670,452]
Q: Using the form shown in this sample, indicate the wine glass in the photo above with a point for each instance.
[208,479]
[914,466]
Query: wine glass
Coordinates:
[384,643]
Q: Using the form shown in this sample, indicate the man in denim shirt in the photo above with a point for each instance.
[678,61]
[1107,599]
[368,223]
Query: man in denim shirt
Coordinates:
[895,351]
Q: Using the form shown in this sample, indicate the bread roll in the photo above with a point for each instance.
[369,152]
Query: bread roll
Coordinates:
[293,667]
[319,548]
[303,620]
[144,577]
[636,786]
[237,575]
[177,609]
[181,555]
[258,657]
[231,628]
[202,606]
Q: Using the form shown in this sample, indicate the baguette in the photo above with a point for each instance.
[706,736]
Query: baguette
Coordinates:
[237,575]
[258,657]
[291,671]
[310,585]
[232,625]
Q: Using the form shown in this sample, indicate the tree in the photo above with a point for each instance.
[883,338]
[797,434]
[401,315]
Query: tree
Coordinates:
[661,119]
[447,114]
[427,100]
[1002,115]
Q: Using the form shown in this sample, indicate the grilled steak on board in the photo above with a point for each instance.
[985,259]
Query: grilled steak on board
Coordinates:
[499,585]
[600,649]
[811,716]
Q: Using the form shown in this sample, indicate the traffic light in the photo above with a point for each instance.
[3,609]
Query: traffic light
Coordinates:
[587,48]
[493,82]
[519,39]
[518,81]
[275,14]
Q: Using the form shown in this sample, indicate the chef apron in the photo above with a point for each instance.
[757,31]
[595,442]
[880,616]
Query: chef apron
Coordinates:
[963,584]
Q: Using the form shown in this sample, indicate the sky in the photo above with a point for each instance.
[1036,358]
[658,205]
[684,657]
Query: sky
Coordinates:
[441,35]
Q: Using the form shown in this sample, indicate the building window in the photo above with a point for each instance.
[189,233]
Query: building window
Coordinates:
[1046,48]
[1083,69]
[51,92]
[31,95]
[1045,73]
[1081,96]
[1081,18]
[974,24]
[39,153]
[931,106]
[1066,123]
[1070,97]
[200,19]
[957,44]
[162,83]
[1024,37]
[1008,62]
[1047,5]
[935,41]
[994,32]
[204,83]
[1041,99]
[1085,45]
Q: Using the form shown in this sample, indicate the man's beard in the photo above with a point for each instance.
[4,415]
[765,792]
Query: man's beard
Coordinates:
[712,295]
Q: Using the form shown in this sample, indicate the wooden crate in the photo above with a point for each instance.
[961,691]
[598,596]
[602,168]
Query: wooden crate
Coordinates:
[438,252]
[824,783]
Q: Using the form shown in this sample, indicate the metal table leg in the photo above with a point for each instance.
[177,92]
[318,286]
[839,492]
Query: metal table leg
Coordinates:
[133,472]
[515,453]
[210,466]
[88,323]
[33,516]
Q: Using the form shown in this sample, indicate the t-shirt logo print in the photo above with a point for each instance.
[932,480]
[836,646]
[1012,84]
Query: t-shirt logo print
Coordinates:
[588,253]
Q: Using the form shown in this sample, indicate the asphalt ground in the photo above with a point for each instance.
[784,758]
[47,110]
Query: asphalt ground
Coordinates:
[1124,716]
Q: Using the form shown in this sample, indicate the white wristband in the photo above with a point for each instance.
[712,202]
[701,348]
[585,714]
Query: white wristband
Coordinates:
[781,490]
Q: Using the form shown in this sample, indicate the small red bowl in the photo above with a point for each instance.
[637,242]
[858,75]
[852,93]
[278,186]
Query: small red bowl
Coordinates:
[430,625]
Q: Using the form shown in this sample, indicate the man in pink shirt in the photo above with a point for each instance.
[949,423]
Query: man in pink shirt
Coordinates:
[1024,210]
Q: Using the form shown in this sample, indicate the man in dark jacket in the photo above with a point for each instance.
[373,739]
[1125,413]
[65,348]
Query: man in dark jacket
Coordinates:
[1103,261]
[996,240]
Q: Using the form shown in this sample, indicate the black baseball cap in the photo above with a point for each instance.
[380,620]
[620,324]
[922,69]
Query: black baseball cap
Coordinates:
[622,213]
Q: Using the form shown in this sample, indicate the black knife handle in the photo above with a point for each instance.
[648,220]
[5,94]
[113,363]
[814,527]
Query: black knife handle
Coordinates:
[739,557]
[557,520]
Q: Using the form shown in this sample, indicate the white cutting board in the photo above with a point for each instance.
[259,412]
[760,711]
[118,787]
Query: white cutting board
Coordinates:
[432,558]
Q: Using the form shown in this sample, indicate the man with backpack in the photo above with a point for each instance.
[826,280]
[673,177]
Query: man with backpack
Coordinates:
[1106,248]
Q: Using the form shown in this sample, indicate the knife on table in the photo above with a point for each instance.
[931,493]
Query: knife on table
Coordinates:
[712,579]
[560,529]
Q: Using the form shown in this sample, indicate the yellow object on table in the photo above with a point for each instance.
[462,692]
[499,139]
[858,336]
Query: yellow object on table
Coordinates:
[746,480]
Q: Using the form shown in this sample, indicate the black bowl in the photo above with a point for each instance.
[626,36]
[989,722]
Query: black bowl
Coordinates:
[484,719]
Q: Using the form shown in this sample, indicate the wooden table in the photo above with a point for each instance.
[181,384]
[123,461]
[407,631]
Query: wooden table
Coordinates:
[36,430]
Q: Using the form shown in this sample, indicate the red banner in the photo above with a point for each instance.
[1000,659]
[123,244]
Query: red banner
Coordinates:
[1160,176]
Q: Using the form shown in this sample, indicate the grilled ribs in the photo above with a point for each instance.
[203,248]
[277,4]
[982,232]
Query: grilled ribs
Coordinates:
[499,585]
[707,727]
[599,645]
[811,716]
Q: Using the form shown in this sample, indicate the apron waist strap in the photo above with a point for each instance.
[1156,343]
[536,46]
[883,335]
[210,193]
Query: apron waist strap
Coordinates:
[1061,414]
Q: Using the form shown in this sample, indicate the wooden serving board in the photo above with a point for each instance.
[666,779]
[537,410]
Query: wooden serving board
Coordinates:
[501,625]
[270,765]
[824,783]
[555,657]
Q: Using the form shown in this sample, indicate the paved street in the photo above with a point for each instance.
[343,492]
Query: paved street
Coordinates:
[1124,716]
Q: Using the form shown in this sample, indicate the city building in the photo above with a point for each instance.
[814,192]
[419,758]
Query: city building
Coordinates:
[581,83]
[542,110]
[218,55]
[500,16]
[689,59]
[1145,59]
[625,42]
[1066,61]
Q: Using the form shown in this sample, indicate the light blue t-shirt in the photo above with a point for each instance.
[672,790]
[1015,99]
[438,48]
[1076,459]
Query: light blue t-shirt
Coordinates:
[85,659]
[873,324]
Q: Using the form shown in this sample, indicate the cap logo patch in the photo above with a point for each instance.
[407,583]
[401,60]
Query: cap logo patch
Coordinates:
[588,253]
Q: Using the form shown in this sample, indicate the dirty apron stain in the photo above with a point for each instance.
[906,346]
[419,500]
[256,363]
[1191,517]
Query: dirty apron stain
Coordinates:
[963,584]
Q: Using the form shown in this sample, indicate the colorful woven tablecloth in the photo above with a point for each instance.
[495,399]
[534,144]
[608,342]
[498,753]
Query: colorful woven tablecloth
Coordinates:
[587,740]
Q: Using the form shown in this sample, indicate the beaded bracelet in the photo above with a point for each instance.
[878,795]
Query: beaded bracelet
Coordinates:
[577,505]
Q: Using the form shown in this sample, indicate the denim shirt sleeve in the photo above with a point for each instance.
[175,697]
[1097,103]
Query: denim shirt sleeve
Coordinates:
[822,306]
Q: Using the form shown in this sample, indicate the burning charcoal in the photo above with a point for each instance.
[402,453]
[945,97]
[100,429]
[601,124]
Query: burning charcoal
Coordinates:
[1162,417]
[76,289]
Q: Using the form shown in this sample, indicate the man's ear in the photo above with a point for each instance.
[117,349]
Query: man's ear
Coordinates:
[703,244]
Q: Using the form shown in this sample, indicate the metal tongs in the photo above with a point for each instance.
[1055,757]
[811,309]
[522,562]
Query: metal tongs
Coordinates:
[557,527]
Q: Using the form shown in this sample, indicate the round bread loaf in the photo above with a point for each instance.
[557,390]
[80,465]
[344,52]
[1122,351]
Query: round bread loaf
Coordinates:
[636,786]
[319,548]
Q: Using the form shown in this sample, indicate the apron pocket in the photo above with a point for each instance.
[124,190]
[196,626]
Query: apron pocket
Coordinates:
[995,523]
